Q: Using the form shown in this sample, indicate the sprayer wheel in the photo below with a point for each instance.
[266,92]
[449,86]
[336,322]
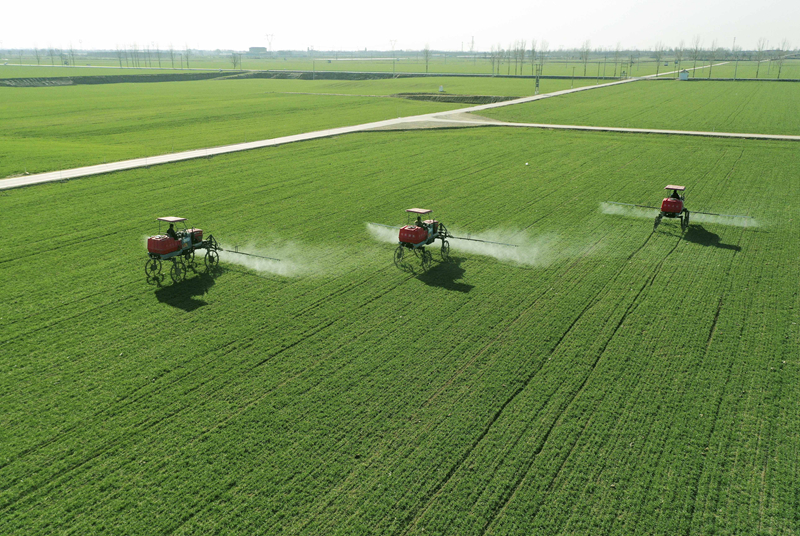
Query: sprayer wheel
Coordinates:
[398,255]
[685,220]
[445,250]
[178,270]
[212,259]
[152,269]
[427,258]
[658,220]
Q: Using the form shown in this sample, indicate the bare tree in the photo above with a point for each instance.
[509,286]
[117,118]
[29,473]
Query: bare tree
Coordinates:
[761,45]
[119,56]
[71,55]
[679,53]
[585,50]
[172,55]
[696,48]
[712,58]
[426,56]
[52,54]
[532,55]
[20,52]
[38,54]
[158,54]
[616,58]
[543,48]
[658,54]
[187,53]
[519,56]
[236,59]
[782,52]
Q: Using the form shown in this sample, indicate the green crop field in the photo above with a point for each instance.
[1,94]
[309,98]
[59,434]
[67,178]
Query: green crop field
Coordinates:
[63,127]
[48,128]
[756,107]
[749,69]
[600,378]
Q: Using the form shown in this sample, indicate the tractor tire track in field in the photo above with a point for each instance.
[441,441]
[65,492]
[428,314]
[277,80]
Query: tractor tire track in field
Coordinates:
[707,443]
[635,302]
[414,518]
[525,312]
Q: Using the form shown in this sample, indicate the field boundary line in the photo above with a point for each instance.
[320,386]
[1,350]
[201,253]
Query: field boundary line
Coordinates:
[737,135]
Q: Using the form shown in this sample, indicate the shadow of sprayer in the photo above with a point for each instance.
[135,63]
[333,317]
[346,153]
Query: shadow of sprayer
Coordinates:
[184,295]
[697,234]
[445,275]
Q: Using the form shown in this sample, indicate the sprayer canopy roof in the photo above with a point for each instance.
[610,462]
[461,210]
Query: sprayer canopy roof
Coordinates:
[419,210]
[674,187]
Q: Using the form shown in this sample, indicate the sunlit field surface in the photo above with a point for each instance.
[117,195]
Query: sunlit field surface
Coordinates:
[49,128]
[599,378]
[42,129]
[754,107]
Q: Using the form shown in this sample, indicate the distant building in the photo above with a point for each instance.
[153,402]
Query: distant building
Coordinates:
[684,75]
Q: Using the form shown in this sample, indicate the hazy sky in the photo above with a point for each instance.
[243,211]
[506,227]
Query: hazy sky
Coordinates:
[413,24]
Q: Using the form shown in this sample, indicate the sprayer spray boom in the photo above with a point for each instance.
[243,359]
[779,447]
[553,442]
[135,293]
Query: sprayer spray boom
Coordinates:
[236,250]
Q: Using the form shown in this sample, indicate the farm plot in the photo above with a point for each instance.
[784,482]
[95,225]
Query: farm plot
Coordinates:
[749,69]
[45,129]
[625,381]
[63,127]
[751,107]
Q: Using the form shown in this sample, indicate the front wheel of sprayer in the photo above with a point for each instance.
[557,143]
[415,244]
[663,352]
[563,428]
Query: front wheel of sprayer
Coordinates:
[152,269]
[685,220]
[178,271]
[445,250]
[212,259]
[655,223]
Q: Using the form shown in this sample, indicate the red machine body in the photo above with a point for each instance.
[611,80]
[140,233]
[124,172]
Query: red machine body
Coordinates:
[671,205]
[196,234]
[162,244]
[411,234]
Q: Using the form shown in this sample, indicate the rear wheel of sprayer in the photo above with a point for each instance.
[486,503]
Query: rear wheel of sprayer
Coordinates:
[445,250]
[685,220]
[427,258]
[178,270]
